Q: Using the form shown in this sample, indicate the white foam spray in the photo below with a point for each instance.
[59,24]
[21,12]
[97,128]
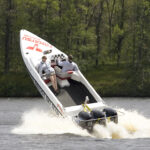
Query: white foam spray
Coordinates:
[41,122]
[131,125]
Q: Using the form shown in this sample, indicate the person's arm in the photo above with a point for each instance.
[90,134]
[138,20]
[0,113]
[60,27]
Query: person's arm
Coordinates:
[60,63]
[49,67]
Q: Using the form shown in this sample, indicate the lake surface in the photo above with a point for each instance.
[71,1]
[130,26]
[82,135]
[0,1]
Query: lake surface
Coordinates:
[27,124]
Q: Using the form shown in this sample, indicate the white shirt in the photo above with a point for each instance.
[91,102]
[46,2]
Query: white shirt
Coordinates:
[67,66]
[46,67]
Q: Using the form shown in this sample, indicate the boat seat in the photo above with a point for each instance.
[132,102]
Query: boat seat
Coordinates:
[47,81]
[62,78]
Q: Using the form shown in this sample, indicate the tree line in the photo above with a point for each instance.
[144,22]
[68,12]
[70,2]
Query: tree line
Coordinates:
[96,32]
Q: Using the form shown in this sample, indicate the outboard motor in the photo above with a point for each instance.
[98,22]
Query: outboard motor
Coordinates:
[84,115]
[111,114]
[99,116]
[85,120]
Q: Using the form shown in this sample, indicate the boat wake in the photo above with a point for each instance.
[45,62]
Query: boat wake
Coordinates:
[131,125]
[41,122]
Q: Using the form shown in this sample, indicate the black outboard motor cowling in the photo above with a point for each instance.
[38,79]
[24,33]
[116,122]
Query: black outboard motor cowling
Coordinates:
[85,120]
[99,116]
[112,114]
[84,115]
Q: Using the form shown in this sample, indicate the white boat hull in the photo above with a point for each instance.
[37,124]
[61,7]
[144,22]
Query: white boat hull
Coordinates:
[73,90]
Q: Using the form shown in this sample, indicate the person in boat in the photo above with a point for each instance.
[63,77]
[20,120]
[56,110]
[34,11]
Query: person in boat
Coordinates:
[67,65]
[49,72]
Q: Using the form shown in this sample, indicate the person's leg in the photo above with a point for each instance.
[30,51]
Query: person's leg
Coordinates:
[53,82]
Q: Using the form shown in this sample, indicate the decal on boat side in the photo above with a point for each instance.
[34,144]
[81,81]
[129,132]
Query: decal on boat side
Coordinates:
[59,108]
[36,41]
[35,47]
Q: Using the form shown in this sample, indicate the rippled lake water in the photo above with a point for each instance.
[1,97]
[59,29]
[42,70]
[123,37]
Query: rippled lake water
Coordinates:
[27,124]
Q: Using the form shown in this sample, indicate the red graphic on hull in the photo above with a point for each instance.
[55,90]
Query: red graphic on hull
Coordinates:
[35,47]
[59,108]
[36,40]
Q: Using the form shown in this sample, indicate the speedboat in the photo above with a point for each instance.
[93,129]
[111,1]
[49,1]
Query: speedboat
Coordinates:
[77,98]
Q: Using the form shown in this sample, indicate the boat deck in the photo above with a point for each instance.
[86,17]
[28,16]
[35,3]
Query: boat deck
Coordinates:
[74,94]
